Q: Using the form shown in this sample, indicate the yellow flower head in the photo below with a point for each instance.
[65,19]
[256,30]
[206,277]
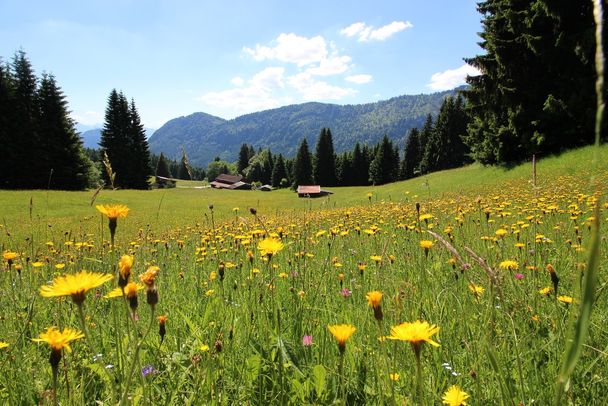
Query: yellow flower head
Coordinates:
[75,285]
[113,211]
[455,396]
[546,291]
[374,298]
[125,264]
[129,289]
[270,246]
[149,277]
[3,344]
[509,265]
[477,290]
[9,256]
[415,333]
[565,299]
[341,333]
[426,244]
[59,340]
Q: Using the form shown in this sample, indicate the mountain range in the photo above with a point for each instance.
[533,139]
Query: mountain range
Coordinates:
[91,138]
[205,137]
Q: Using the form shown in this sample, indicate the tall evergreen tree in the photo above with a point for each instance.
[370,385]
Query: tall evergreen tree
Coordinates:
[324,171]
[64,156]
[411,155]
[535,93]
[360,166]
[302,166]
[243,161]
[162,168]
[27,169]
[7,126]
[279,172]
[385,165]
[184,171]
[140,152]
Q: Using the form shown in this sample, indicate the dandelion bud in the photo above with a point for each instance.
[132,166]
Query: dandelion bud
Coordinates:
[55,358]
[554,277]
[162,330]
[152,296]
[221,270]
[253,211]
[218,346]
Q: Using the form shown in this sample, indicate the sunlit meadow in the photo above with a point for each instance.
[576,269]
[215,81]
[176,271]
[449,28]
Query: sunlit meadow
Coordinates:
[413,294]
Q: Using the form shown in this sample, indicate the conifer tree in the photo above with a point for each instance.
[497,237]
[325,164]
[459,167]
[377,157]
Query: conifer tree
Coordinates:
[184,171]
[140,152]
[385,165]
[302,166]
[360,166]
[162,168]
[324,171]
[243,161]
[411,155]
[64,156]
[279,172]
[7,127]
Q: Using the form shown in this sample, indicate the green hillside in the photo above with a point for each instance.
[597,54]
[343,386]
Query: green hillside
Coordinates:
[204,136]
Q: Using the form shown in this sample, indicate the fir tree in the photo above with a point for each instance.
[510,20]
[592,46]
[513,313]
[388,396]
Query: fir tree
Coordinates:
[140,152]
[279,172]
[7,127]
[324,171]
[64,156]
[162,168]
[384,168]
[302,166]
[360,166]
[411,155]
[243,161]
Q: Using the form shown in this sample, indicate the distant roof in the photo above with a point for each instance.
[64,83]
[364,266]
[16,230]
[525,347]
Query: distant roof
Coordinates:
[309,189]
[225,178]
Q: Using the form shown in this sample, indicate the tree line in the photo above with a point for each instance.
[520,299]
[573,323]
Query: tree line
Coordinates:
[437,145]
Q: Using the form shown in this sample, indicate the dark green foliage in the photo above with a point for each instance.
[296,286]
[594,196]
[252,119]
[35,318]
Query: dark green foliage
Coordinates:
[445,148]
[43,148]
[412,156]
[360,166]
[64,159]
[217,167]
[279,172]
[124,140]
[302,166]
[344,169]
[324,170]
[536,91]
[184,168]
[243,161]
[162,169]
[205,136]
[385,165]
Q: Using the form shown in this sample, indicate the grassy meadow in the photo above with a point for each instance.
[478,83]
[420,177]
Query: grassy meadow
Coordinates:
[493,263]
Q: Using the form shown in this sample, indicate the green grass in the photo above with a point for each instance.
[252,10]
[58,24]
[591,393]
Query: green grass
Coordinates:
[237,339]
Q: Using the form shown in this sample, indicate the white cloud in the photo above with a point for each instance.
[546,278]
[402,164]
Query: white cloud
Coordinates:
[334,65]
[88,118]
[452,78]
[292,48]
[312,89]
[368,33]
[259,94]
[359,79]
[237,81]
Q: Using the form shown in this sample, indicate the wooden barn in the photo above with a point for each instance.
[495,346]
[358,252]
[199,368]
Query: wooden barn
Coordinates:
[231,182]
[312,191]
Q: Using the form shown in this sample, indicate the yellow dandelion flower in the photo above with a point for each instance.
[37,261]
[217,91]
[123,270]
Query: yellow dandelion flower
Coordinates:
[124,265]
[426,244]
[376,258]
[149,277]
[341,333]
[37,264]
[3,344]
[415,333]
[74,285]
[10,256]
[565,299]
[501,232]
[374,298]
[394,376]
[59,340]
[204,348]
[455,396]
[546,291]
[270,246]
[129,288]
[113,211]
[477,290]
[509,265]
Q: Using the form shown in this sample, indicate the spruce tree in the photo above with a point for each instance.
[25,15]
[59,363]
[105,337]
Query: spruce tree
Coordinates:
[324,171]
[385,165]
[411,156]
[140,152]
[279,172]
[243,161]
[63,156]
[7,127]
[360,166]
[162,168]
[302,167]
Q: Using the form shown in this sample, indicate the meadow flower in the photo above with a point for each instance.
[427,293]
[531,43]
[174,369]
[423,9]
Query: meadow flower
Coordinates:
[565,299]
[554,277]
[376,258]
[477,290]
[9,257]
[519,276]
[416,333]
[118,292]
[124,270]
[345,292]
[270,246]
[58,340]
[455,396]
[147,370]
[74,285]
[3,345]
[341,333]
[546,291]
[113,212]
[426,245]
[307,340]
[149,278]
[509,265]
[373,299]
[162,329]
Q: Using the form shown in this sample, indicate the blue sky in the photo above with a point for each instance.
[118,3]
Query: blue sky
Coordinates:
[228,58]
